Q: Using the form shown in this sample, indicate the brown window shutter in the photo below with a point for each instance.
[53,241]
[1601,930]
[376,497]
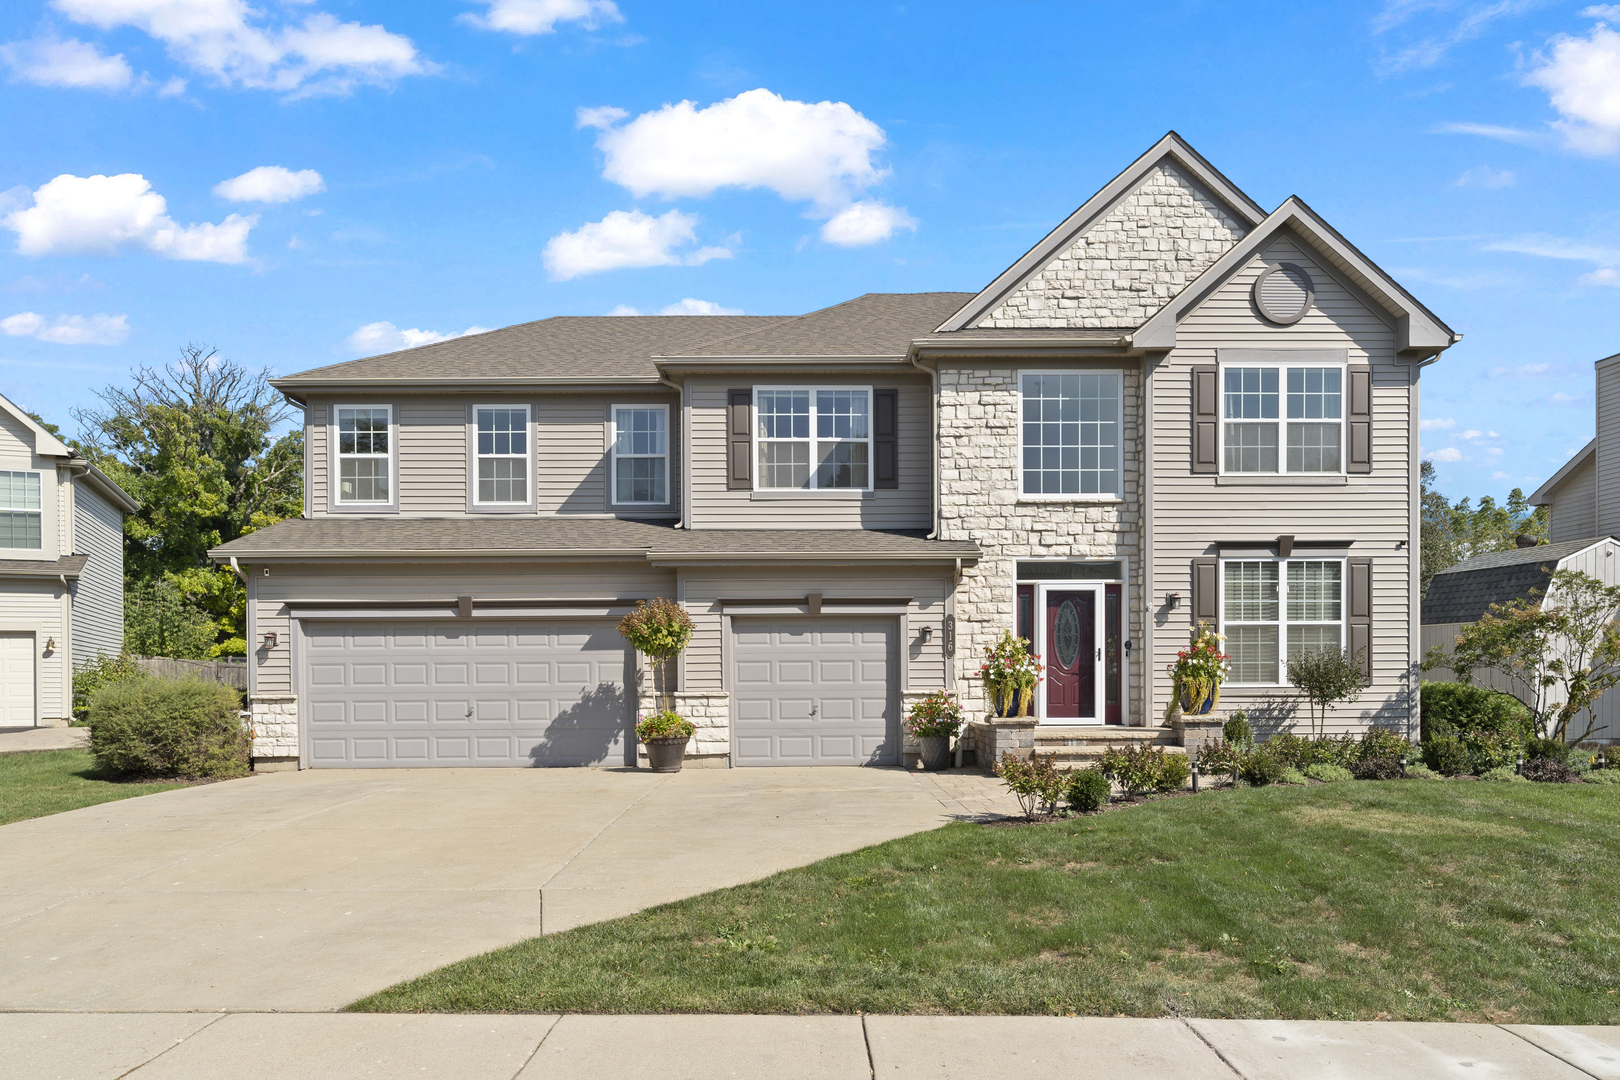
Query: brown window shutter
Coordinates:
[1206,419]
[1360,596]
[1206,591]
[739,440]
[885,438]
[1358,444]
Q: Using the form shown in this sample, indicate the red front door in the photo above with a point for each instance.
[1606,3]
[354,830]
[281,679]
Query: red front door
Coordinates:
[1070,654]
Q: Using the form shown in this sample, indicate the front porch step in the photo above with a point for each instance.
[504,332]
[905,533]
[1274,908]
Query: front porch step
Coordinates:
[1101,736]
[1087,755]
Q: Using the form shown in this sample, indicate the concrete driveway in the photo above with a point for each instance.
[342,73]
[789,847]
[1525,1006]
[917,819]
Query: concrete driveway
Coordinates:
[305,891]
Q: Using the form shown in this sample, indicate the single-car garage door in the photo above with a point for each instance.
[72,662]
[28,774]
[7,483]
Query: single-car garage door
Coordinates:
[16,679]
[816,691]
[414,695]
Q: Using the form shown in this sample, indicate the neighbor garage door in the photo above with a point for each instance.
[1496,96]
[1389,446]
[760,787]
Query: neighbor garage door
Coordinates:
[815,691]
[16,680]
[412,695]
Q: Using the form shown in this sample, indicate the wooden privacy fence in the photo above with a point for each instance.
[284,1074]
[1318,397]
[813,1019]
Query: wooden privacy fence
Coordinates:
[230,672]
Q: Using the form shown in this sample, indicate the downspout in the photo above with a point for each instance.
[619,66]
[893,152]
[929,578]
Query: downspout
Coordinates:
[933,431]
[686,446]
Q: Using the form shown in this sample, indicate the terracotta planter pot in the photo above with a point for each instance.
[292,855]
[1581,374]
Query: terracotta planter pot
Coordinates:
[936,752]
[666,755]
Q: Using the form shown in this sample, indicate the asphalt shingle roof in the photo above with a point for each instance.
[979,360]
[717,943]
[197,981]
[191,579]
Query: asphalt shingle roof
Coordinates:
[877,324]
[70,565]
[1464,592]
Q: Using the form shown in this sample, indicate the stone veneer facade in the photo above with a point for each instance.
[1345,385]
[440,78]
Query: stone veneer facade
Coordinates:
[980,501]
[1129,263]
[275,731]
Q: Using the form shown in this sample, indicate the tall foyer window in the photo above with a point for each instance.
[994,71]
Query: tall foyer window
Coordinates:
[20,510]
[364,456]
[1283,419]
[813,439]
[503,455]
[1272,610]
[640,454]
[1070,433]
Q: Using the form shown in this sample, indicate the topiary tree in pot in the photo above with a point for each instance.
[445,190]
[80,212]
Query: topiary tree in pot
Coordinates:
[660,630]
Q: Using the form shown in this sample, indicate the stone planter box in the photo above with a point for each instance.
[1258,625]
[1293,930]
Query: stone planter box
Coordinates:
[1193,730]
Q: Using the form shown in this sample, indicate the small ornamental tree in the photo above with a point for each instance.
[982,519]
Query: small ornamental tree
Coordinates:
[1558,654]
[660,630]
[1327,677]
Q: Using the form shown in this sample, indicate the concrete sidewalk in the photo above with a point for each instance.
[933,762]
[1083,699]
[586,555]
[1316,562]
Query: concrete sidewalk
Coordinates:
[306,1046]
[23,740]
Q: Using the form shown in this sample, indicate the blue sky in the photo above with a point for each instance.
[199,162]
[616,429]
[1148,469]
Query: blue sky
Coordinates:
[303,182]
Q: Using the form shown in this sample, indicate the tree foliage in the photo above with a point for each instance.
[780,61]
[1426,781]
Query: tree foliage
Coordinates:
[1559,653]
[1327,676]
[1451,532]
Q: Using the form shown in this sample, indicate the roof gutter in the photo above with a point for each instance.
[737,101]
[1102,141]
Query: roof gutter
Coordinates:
[428,385]
[1034,346]
[410,554]
[674,558]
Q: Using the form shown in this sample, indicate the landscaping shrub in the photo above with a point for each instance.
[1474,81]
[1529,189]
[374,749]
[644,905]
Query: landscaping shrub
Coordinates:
[1471,709]
[1219,756]
[1603,776]
[1291,775]
[1548,771]
[1504,774]
[1447,756]
[1236,729]
[1489,750]
[1378,768]
[92,675]
[1034,781]
[1146,768]
[1537,749]
[1088,789]
[1419,771]
[1300,751]
[168,727]
[1330,774]
[1262,767]
[1381,742]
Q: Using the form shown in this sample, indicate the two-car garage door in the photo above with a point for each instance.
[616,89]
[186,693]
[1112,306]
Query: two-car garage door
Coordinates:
[421,694]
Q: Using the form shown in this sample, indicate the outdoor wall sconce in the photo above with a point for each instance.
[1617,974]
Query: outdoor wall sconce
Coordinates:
[50,644]
[1172,600]
[927,634]
[270,639]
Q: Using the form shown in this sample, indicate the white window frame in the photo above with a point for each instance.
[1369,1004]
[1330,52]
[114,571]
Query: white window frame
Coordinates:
[1119,470]
[755,440]
[336,478]
[1282,607]
[613,456]
[1282,421]
[37,511]
[528,458]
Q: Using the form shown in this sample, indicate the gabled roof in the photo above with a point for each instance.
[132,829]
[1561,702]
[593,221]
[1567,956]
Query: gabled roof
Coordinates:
[1543,495]
[1416,327]
[1465,592]
[1172,147]
[45,444]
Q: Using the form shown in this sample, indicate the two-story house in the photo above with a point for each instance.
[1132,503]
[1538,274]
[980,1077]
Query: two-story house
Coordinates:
[1175,408]
[61,570]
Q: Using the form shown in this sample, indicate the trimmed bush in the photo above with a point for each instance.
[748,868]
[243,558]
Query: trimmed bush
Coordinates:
[1034,781]
[1329,774]
[1447,756]
[1380,742]
[1219,756]
[92,675]
[1236,730]
[1291,775]
[1378,768]
[1466,710]
[1503,774]
[168,728]
[1263,767]
[665,725]
[1422,772]
[1537,749]
[1489,750]
[1300,751]
[1146,768]
[1603,776]
[1088,789]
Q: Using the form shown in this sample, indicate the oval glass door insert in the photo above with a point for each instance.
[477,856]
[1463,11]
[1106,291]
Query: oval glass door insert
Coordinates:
[1066,633]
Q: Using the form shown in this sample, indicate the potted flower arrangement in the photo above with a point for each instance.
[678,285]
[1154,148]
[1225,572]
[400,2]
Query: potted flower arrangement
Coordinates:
[1010,673]
[933,722]
[1199,670]
[660,629]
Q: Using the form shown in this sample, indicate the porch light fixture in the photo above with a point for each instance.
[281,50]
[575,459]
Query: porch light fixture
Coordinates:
[270,639]
[1172,600]
[927,634]
[50,644]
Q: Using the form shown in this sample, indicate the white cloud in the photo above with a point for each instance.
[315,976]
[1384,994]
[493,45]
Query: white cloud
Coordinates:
[866,222]
[228,41]
[626,238]
[1489,131]
[1447,454]
[805,152]
[98,215]
[1437,423]
[599,116]
[383,337]
[1562,398]
[52,61]
[1474,433]
[1430,51]
[1607,259]
[1601,11]
[688,306]
[1606,276]
[529,17]
[1582,79]
[1500,475]
[1484,176]
[69,329]
[270,184]
[1494,451]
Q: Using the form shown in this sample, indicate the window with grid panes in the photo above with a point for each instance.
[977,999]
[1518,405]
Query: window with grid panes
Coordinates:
[813,439]
[640,454]
[1272,610]
[1071,433]
[1282,419]
[363,455]
[20,510]
[503,455]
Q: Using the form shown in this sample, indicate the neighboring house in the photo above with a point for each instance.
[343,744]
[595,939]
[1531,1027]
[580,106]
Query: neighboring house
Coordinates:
[1176,407]
[1583,497]
[1461,594]
[61,570]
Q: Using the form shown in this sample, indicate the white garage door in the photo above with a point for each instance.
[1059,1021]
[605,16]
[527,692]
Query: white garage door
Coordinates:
[16,680]
[816,691]
[415,695]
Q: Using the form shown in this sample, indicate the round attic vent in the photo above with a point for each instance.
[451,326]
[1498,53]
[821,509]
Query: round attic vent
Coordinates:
[1284,293]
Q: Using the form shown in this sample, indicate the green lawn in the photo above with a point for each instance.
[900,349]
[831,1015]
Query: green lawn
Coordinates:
[1407,899]
[51,781]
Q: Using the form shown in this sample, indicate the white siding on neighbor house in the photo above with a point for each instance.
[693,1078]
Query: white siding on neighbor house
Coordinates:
[17,453]
[273,667]
[1607,487]
[1573,514]
[1191,512]
[98,599]
[41,607]
[702,589]
[909,506]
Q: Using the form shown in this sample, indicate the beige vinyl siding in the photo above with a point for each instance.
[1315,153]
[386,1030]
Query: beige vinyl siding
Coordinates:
[318,451]
[42,607]
[714,507]
[1192,512]
[431,458]
[428,582]
[702,589]
[17,453]
[1574,506]
[571,442]
[1607,487]
[98,600]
